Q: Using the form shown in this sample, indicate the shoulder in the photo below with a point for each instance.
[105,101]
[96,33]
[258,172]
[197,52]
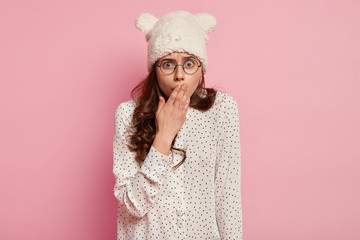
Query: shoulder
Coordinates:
[226,102]
[126,109]
[229,111]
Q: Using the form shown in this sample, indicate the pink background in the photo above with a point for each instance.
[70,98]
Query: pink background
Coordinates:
[292,66]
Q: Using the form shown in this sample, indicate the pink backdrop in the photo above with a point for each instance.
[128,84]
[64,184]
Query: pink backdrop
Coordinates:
[293,67]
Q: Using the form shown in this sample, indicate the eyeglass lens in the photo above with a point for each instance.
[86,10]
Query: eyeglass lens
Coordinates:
[190,66]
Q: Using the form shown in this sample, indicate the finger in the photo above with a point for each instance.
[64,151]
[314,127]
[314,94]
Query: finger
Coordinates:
[180,96]
[188,92]
[183,101]
[160,105]
[186,105]
[173,95]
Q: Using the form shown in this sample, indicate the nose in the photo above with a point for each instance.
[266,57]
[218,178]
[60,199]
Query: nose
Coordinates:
[179,73]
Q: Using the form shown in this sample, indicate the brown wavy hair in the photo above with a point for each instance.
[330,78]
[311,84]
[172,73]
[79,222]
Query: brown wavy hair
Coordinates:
[146,96]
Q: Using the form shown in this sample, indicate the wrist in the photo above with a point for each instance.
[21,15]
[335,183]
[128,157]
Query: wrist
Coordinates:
[163,138]
[162,144]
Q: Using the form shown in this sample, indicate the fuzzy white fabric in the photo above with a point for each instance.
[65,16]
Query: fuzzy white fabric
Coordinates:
[178,31]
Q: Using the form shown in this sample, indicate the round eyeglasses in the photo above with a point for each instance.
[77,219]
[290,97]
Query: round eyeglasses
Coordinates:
[190,66]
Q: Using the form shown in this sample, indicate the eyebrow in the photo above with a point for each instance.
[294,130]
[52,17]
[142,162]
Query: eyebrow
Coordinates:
[187,57]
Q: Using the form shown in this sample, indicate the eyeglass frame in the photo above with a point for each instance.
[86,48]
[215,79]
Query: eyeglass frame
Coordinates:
[198,66]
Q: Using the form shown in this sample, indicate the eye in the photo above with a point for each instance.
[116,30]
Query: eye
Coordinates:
[167,64]
[189,63]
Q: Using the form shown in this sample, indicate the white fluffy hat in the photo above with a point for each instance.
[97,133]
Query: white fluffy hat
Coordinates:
[178,31]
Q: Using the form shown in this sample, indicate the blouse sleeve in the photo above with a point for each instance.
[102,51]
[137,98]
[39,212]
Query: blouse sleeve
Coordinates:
[136,187]
[228,175]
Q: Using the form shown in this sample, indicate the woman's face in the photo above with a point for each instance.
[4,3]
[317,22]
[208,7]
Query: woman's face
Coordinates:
[168,82]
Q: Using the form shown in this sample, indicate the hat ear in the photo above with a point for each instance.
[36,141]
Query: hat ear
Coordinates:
[206,21]
[145,22]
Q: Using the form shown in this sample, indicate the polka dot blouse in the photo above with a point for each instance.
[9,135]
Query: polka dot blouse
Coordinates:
[199,200]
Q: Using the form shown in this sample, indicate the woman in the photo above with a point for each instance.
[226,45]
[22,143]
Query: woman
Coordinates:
[176,146]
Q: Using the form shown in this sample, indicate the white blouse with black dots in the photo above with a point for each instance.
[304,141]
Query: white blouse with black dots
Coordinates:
[199,200]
